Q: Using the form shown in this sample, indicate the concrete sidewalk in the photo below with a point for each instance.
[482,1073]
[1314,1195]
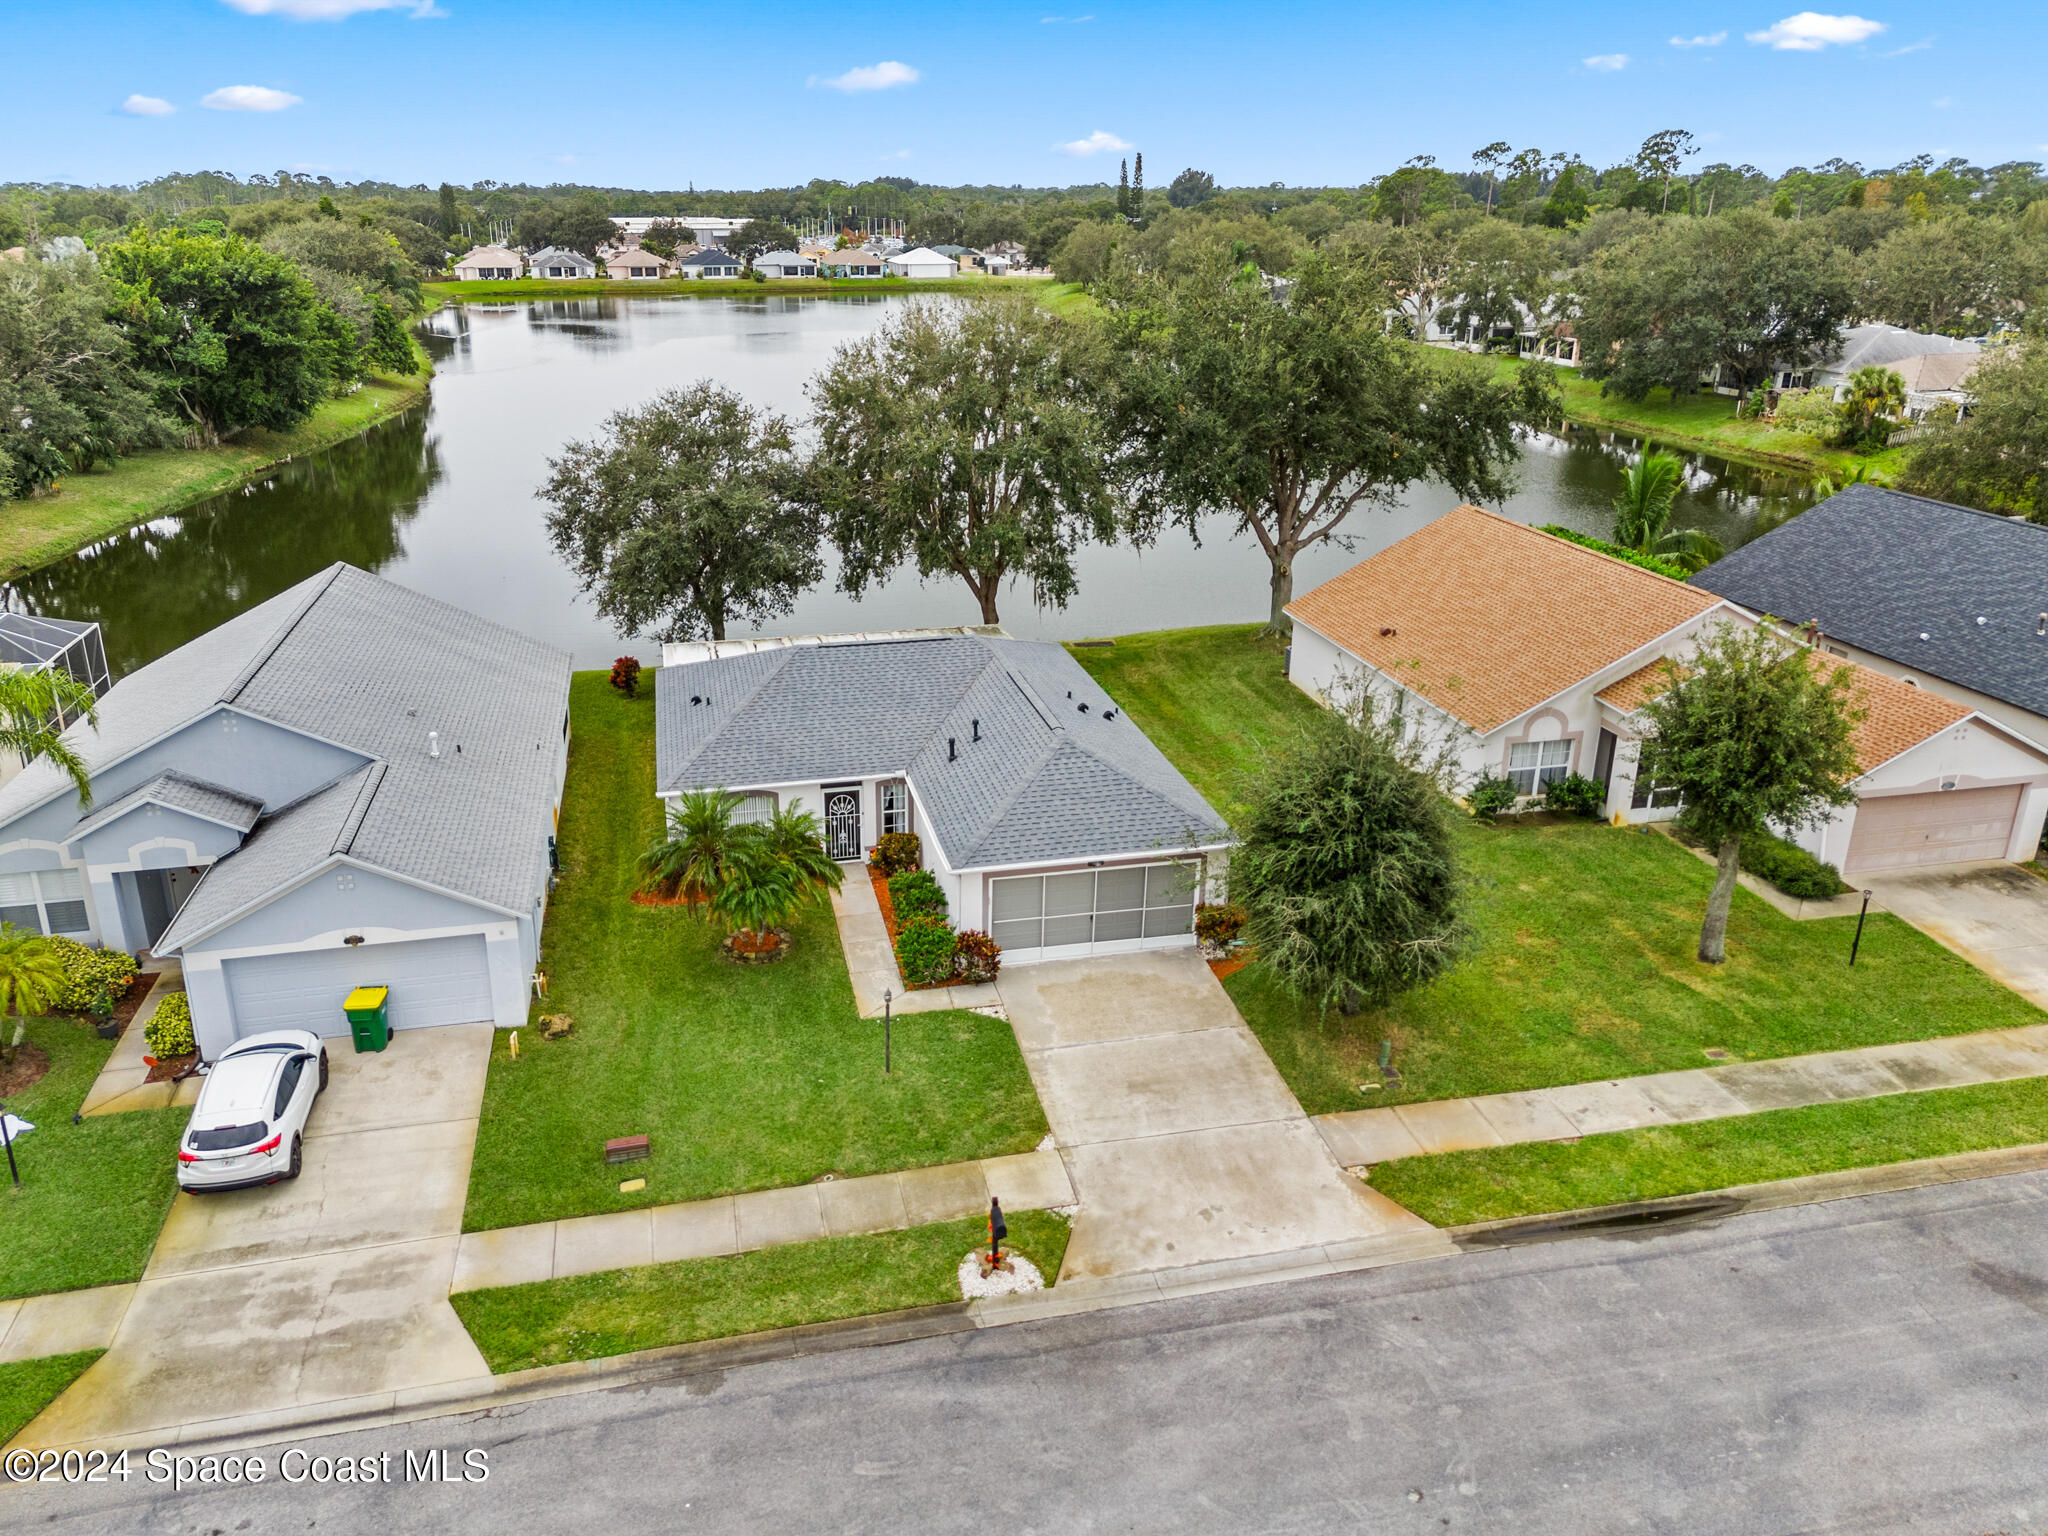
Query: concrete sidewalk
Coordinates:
[765,1218]
[123,1083]
[871,959]
[1363,1136]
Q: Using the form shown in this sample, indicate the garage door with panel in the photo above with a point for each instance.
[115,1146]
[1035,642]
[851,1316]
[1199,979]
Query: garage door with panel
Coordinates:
[1948,827]
[1093,911]
[432,981]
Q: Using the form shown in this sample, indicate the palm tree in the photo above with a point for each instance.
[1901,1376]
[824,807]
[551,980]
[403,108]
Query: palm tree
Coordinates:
[1642,514]
[689,859]
[31,975]
[1876,396]
[758,890]
[797,838]
[35,708]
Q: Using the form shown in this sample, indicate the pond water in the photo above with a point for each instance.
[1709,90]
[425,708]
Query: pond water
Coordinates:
[442,499]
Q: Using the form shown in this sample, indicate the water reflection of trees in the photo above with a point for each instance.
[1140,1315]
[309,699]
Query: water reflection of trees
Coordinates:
[155,587]
[1584,470]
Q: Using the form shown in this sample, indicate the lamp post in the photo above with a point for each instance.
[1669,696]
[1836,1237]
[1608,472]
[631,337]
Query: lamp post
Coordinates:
[1857,942]
[7,1139]
[888,997]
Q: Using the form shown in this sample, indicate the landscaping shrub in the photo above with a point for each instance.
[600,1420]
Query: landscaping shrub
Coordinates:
[895,852]
[1786,865]
[88,972]
[914,893]
[626,676]
[979,956]
[1218,925]
[924,950]
[1657,563]
[1575,795]
[1492,795]
[169,1030]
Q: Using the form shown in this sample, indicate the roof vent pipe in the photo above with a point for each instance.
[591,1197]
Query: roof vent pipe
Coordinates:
[977,730]
[952,748]
[433,743]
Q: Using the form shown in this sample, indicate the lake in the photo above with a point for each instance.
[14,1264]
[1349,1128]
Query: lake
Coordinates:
[442,498]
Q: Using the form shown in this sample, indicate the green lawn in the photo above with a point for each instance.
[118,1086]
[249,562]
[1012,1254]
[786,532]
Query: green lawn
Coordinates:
[1457,1187]
[27,1387]
[1584,967]
[590,1316]
[94,1195]
[745,1078]
[165,480]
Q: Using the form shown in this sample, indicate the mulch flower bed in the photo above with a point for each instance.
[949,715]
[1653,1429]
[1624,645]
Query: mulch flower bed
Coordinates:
[1225,969]
[730,948]
[656,899]
[25,1070]
[163,1068]
[880,882]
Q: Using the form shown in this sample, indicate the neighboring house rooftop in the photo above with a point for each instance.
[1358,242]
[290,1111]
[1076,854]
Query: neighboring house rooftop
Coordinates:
[1866,346]
[1059,771]
[1933,372]
[551,255]
[489,256]
[1488,618]
[1952,592]
[710,256]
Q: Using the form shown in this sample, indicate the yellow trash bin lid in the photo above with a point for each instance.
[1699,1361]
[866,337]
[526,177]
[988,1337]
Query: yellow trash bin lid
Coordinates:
[363,999]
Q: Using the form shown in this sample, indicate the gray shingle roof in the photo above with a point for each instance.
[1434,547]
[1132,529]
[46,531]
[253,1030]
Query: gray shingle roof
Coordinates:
[212,802]
[354,659]
[1880,569]
[1047,780]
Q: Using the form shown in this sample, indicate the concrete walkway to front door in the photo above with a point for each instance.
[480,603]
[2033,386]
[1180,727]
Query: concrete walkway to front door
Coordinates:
[1183,1143]
[1993,914]
[328,1290]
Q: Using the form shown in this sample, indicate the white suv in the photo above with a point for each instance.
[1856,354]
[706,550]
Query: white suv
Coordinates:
[251,1115]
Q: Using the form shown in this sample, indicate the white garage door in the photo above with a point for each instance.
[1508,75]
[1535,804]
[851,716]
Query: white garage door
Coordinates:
[1904,831]
[432,981]
[1093,911]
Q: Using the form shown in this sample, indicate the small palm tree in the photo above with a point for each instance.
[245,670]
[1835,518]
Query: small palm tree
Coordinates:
[31,975]
[759,889]
[796,837]
[1642,514]
[689,859]
[1876,397]
[35,708]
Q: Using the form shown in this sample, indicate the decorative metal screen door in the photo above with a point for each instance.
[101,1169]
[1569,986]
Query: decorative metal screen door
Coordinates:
[842,824]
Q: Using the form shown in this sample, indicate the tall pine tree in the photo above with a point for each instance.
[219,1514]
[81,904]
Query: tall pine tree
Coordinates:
[1123,189]
[1138,189]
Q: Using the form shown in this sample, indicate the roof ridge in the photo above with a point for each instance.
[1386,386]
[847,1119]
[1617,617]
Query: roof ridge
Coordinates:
[264,652]
[352,823]
[1999,518]
[1020,784]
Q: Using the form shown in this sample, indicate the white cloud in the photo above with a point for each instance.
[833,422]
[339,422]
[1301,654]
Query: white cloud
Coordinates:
[147,106]
[331,10]
[249,98]
[1943,102]
[1811,31]
[1606,63]
[1097,143]
[563,159]
[901,154]
[1067,21]
[1923,44]
[871,77]
[1704,40]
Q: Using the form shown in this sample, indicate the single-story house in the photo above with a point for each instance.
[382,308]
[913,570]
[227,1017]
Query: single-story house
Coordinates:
[490,263]
[852,264]
[348,783]
[786,264]
[552,262]
[1937,379]
[635,264]
[1542,675]
[1049,819]
[31,643]
[711,262]
[922,263]
[1943,597]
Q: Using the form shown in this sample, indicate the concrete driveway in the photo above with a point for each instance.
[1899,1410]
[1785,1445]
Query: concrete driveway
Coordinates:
[326,1289]
[1994,915]
[1183,1143]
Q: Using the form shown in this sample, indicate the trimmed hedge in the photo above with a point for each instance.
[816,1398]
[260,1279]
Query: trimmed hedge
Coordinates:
[1655,563]
[895,852]
[924,950]
[915,893]
[1575,795]
[88,972]
[1786,865]
[1492,795]
[169,1030]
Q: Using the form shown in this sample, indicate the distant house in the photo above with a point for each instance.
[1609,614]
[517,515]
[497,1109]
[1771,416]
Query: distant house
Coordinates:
[552,262]
[921,263]
[1937,379]
[852,264]
[490,264]
[786,264]
[636,265]
[710,263]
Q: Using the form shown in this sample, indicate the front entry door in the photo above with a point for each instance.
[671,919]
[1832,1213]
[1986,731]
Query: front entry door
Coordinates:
[842,824]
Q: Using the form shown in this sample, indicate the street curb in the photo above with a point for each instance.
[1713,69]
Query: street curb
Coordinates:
[492,1394]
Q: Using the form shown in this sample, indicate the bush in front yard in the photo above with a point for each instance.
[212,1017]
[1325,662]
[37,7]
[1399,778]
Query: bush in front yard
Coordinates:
[1575,795]
[914,893]
[924,950]
[169,1030]
[1218,925]
[88,972]
[895,852]
[980,957]
[1790,868]
[1490,796]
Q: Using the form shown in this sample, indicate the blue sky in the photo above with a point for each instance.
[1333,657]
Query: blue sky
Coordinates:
[748,95]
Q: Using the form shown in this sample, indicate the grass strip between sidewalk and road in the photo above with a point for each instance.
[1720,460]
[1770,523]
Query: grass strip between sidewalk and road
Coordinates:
[27,1387]
[587,1317]
[1534,1178]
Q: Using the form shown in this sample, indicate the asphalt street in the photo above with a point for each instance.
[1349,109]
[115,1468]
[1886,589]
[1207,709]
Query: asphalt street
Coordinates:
[1870,1365]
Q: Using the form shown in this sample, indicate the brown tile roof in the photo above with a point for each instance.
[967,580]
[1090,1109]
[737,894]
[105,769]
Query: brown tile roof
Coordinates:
[1487,618]
[1896,715]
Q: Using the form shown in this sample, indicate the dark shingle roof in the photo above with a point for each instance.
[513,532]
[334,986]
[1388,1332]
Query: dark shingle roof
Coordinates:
[1879,570]
[210,802]
[1047,780]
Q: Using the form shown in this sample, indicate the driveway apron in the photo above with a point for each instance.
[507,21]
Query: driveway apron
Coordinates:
[1183,1142]
[325,1289]
[1994,915]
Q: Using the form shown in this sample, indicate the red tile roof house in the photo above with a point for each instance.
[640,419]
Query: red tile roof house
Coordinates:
[1529,656]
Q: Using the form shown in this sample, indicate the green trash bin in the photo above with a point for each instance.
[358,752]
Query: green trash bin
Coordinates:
[368,1017]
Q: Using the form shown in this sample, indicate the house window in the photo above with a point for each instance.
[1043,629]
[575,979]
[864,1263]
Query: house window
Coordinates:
[895,796]
[47,901]
[1652,797]
[754,810]
[1534,764]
